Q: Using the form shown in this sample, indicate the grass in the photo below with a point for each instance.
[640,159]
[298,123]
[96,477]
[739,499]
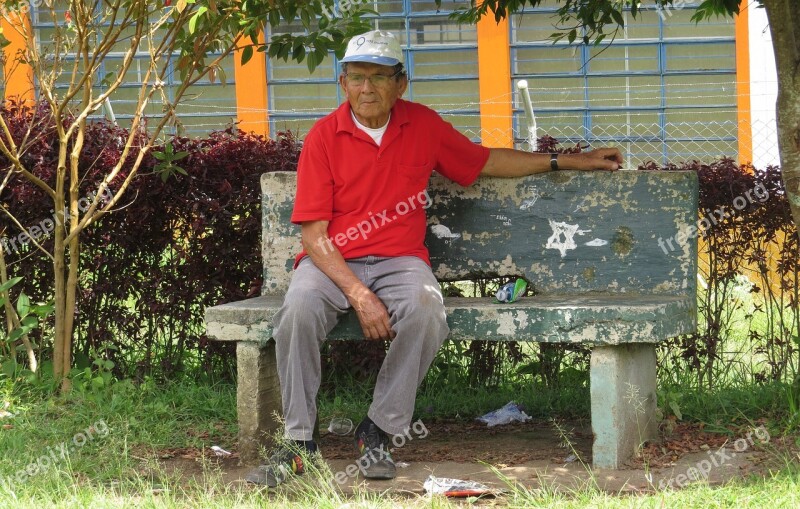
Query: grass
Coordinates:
[779,490]
[436,401]
[120,468]
[118,432]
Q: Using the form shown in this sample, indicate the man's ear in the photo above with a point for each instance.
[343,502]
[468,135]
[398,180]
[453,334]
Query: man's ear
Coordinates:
[403,86]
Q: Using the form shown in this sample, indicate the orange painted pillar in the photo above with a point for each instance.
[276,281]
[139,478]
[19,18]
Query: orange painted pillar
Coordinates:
[745,130]
[251,91]
[18,75]
[494,75]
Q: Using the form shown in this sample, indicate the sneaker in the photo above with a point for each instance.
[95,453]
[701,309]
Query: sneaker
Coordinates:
[372,443]
[287,461]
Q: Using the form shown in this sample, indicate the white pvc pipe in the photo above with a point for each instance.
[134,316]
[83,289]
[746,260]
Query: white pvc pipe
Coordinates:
[109,111]
[522,86]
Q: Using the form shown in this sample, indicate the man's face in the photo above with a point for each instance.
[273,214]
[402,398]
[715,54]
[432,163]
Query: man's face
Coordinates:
[371,103]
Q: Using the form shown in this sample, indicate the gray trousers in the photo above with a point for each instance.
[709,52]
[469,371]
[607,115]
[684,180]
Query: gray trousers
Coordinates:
[312,307]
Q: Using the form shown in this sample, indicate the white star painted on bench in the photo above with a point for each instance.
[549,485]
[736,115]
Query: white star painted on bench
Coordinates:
[568,231]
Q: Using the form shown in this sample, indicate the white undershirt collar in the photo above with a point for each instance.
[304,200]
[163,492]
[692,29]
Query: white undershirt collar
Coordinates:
[375,134]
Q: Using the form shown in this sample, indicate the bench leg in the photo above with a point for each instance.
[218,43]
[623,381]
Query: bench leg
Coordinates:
[623,391]
[258,397]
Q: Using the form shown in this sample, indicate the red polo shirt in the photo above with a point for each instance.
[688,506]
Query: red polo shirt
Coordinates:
[375,197]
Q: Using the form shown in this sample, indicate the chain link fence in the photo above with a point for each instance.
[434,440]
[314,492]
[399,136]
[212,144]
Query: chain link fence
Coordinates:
[669,142]
[697,135]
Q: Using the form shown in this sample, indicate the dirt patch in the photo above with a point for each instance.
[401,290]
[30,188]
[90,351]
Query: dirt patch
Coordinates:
[533,453]
[466,442]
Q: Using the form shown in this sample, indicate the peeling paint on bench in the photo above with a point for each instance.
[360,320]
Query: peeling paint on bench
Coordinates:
[602,319]
[630,210]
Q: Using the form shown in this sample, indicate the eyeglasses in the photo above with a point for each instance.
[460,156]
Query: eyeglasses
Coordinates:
[376,80]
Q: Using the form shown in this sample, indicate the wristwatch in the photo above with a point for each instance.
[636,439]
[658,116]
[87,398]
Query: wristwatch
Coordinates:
[554,161]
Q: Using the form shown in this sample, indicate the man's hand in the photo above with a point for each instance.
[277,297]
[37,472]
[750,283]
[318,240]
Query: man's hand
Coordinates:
[372,314]
[608,159]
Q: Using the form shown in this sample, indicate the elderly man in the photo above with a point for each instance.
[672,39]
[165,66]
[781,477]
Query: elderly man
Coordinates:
[358,164]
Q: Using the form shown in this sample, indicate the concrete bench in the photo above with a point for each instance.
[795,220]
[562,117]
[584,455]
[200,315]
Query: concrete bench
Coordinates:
[611,256]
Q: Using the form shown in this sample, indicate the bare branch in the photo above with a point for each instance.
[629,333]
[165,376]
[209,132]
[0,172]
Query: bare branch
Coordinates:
[92,214]
[101,52]
[9,149]
[128,59]
[12,318]
[25,231]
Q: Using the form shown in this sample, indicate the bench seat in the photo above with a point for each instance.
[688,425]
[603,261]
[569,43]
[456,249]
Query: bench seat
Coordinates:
[599,319]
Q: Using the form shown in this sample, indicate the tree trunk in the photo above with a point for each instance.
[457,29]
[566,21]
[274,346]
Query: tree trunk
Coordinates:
[62,340]
[62,344]
[784,22]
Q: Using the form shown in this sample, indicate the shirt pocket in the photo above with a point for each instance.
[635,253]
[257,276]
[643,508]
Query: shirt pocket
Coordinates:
[416,175]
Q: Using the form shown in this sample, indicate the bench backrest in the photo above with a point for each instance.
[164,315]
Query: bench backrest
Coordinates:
[565,232]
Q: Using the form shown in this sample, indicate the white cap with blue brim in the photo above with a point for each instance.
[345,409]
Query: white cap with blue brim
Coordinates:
[376,47]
